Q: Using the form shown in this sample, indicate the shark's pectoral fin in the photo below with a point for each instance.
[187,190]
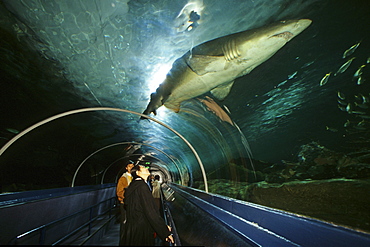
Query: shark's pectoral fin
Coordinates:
[164,98]
[222,91]
[173,106]
[202,64]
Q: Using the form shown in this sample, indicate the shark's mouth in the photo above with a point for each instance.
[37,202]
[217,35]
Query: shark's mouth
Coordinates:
[285,35]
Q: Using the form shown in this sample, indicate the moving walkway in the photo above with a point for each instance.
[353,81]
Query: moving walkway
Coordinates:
[85,215]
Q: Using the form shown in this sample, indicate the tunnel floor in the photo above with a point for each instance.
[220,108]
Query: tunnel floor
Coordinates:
[111,238]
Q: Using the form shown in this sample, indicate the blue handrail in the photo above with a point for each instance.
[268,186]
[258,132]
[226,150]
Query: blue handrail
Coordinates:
[265,226]
[42,229]
[167,213]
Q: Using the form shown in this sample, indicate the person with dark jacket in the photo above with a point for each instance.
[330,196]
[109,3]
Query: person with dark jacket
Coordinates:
[143,218]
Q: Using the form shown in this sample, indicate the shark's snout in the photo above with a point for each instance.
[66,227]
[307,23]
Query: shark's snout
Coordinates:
[302,24]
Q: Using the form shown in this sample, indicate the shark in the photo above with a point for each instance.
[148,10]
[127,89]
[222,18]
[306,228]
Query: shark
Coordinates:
[214,65]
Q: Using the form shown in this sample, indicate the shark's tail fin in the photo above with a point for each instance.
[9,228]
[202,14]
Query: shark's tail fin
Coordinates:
[155,102]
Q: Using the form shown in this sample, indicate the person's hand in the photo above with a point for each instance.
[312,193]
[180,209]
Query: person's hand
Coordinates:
[170,239]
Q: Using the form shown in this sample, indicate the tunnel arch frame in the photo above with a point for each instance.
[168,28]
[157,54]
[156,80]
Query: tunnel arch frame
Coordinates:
[156,165]
[113,145]
[57,116]
[123,143]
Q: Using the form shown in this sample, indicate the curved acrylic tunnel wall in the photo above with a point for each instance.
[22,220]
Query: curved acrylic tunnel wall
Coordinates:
[43,150]
[93,50]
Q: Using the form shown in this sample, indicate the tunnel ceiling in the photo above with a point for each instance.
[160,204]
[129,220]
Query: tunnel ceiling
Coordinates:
[59,56]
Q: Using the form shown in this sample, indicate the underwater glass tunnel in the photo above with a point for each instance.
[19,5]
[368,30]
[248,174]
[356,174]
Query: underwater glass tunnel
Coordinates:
[281,124]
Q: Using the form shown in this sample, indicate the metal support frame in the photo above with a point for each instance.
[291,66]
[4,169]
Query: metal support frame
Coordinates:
[15,138]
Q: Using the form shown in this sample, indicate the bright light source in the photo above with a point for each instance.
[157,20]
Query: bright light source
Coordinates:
[158,75]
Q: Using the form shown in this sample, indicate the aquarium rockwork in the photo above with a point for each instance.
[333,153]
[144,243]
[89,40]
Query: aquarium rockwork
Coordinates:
[266,101]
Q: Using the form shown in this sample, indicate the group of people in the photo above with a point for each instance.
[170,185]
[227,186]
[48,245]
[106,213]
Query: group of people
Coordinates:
[139,207]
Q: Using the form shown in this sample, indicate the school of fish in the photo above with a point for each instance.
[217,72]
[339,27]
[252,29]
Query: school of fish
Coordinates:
[356,106]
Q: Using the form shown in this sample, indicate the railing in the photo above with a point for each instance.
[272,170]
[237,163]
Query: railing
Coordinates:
[167,195]
[264,226]
[42,230]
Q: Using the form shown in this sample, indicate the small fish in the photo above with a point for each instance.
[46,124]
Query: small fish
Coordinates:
[97,174]
[368,60]
[365,116]
[292,75]
[325,79]
[359,128]
[360,80]
[351,50]
[14,131]
[342,108]
[281,83]
[365,100]
[309,63]
[344,67]
[331,129]
[357,97]
[347,123]
[349,108]
[358,112]
[341,96]
[342,102]
[361,124]
[362,106]
[227,109]
[359,71]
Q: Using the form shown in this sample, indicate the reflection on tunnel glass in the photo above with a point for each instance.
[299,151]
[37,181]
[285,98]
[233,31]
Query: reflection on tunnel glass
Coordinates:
[168,193]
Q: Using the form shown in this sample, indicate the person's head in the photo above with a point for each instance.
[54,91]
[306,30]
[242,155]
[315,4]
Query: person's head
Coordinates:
[140,171]
[129,166]
[156,177]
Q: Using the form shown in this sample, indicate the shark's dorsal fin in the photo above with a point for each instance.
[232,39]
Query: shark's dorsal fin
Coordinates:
[202,64]
[222,91]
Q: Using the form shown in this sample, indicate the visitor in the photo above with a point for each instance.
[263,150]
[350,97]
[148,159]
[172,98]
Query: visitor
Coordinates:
[123,183]
[143,218]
